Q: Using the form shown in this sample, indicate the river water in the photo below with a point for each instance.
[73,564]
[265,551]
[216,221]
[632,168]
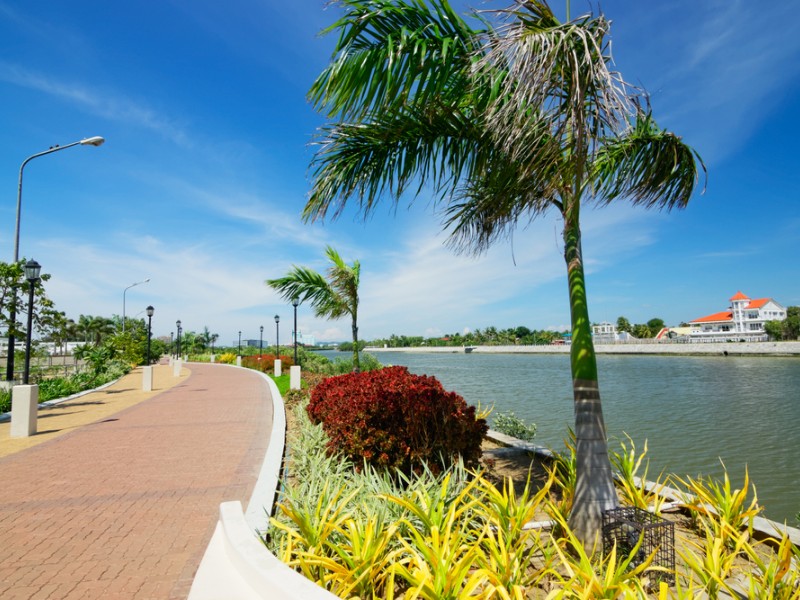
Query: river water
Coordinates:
[693,411]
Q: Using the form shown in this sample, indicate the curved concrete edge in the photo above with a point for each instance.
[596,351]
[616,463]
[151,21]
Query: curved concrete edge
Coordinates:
[763,529]
[237,565]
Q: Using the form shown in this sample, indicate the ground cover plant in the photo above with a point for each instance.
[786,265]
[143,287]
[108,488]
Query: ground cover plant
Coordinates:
[460,533]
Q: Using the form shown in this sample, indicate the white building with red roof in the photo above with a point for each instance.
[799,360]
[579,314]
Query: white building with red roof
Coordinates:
[743,321]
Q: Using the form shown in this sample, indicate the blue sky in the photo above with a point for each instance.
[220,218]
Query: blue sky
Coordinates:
[201,181]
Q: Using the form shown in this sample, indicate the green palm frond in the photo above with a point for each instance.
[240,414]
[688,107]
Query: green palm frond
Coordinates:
[649,166]
[389,50]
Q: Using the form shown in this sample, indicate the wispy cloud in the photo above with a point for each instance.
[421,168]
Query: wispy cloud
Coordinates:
[97,101]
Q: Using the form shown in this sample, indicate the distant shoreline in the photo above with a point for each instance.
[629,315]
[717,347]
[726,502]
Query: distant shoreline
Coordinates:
[666,349]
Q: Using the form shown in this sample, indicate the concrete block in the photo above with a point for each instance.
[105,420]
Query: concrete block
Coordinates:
[294,377]
[277,367]
[24,409]
[147,379]
[238,361]
[213,359]
[176,368]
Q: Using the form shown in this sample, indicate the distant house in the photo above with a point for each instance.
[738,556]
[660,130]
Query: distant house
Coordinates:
[606,333]
[744,320]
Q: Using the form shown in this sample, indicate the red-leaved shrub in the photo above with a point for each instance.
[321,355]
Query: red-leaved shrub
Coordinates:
[266,362]
[393,418]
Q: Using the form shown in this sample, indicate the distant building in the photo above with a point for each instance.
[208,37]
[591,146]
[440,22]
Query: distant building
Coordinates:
[606,333]
[744,320]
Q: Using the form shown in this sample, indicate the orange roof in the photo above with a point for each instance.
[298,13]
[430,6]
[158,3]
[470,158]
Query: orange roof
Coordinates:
[739,296]
[758,303]
[720,316]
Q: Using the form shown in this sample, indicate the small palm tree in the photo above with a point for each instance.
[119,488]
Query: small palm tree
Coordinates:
[521,117]
[332,296]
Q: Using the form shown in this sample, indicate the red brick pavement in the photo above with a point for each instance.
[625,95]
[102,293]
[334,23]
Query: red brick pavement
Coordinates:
[124,507]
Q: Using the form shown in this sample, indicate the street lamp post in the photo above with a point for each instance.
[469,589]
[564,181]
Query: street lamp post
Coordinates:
[260,341]
[277,337]
[178,345]
[171,341]
[32,270]
[12,313]
[150,311]
[123,299]
[240,343]
[295,303]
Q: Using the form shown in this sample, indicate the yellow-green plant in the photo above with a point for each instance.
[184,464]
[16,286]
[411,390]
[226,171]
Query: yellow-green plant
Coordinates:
[441,543]
[713,563]
[632,486]
[776,577]
[716,505]
[228,358]
[564,468]
[359,561]
[512,559]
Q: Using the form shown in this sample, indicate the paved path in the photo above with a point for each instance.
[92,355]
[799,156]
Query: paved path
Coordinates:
[124,507]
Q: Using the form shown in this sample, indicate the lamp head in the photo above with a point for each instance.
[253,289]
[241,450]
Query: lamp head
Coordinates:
[178,323]
[261,329]
[32,270]
[150,310]
[295,301]
[277,318]
[93,141]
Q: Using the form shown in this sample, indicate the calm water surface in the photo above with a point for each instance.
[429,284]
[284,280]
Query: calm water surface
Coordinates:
[693,411]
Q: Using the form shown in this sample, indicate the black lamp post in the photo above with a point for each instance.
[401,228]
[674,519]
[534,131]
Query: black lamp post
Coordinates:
[240,343]
[150,311]
[32,270]
[178,344]
[260,341]
[277,337]
[171,341]
[295,303]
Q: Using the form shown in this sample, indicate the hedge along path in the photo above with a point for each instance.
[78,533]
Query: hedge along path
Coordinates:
[58,419]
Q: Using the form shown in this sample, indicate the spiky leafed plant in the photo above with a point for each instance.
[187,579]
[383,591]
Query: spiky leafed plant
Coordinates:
[332,296]
[521,116]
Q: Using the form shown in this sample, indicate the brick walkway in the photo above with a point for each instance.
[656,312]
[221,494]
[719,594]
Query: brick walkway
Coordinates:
[124,507]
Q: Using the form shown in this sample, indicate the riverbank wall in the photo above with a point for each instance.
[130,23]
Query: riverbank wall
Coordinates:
[664,348]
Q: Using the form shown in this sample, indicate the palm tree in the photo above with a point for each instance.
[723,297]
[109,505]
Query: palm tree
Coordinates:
[332,296]
[503,123]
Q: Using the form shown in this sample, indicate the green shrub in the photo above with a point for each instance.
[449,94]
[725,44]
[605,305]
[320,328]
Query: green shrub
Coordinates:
[5,401]
[512,425]
[391,418]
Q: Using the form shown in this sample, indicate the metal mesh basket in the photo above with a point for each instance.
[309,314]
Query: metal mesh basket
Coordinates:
[626,525]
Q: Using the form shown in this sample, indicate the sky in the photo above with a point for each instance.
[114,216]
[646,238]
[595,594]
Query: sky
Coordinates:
[205,171]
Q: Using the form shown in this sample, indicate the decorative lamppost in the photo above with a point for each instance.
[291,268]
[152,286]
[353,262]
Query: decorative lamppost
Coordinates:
[277,336]
[32,270]
[12,313]
[123,299]
[150,311]
[260,341]
[171,341]
[240,343]
[295,303]
[178,344]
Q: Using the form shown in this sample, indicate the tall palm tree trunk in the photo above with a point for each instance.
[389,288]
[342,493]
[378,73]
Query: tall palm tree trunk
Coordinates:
[594,489]
[356,363]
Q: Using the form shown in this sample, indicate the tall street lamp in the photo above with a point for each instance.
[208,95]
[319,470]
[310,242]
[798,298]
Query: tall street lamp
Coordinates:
[32,270]
[240,343]
[277,336]
[178,345]
[260,341]
[123,299]
[12,313]
[295,303]
[150,311]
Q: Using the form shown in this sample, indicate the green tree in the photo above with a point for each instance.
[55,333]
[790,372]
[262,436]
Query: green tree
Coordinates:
[655,325]
[503,125]
[624,325]
[331,296]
